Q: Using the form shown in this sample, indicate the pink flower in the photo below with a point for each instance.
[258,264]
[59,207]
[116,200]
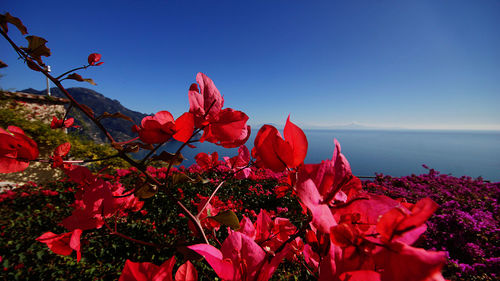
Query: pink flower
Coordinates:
[224,127]
[60,123]
[146,271]
[240,258]
[16,150]
[161,127]
[273,152]
[63,244]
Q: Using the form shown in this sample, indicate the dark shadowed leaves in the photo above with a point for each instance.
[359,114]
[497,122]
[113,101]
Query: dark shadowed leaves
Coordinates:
[146,191]
[36,48]
[8,18]
[181,178]
[167,157]
[79,78]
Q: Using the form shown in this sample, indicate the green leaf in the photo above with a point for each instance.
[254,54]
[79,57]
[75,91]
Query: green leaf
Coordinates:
[228,218]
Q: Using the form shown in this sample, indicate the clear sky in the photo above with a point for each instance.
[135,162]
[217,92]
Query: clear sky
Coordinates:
[413,64]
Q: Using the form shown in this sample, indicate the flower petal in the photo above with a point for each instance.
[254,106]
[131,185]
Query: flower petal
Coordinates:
[297,140]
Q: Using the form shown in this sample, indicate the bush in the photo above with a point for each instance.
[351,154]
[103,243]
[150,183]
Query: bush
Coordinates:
[31,210]
[465,225]
[12,114]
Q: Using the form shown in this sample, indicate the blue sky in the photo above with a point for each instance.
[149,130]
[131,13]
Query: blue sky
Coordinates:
[413,64]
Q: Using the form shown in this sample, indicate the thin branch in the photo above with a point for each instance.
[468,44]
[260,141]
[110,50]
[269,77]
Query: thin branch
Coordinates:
[170,164]
[74,161]
[292,237]
[195,221]
[209,199]
[115,232]
[237,171]
[67,111]
[69,71]
[151,153]
[135,240]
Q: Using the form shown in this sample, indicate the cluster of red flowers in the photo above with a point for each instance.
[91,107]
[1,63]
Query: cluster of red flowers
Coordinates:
[244,254]
[225,127]
[352,234]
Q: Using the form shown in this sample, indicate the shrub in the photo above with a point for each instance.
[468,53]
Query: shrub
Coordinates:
[466,224]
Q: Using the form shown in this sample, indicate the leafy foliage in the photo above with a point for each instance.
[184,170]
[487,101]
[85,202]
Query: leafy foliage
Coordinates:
[13,114]
[31,210]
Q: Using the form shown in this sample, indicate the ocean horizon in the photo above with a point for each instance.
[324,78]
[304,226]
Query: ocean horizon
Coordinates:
[393,152]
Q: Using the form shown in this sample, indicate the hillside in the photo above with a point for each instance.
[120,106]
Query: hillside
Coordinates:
[120,129]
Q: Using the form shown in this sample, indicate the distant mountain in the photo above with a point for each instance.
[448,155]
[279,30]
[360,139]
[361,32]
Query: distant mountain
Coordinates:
[350,126]
[120,129]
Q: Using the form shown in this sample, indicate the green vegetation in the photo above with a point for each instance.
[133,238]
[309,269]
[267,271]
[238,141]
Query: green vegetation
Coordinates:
[29,211]
[12,114]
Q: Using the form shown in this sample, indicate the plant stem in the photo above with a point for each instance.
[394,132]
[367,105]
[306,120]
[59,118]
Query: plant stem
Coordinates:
[74,69]
[151,153]
[209,199]
[195,220]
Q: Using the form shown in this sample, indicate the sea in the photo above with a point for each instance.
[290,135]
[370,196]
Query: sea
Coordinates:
[393,152]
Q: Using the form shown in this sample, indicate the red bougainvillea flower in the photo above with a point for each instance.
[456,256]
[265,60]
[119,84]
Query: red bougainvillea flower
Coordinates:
[360,275]
[322,217]
[63,244]
[146,271]
[94,58]
[59,123]
[273,152]
[186,272]
[125,203]
[161,127]
[60,151]
[269,233]
[229,130]
[207,162]
[239,162]
[224,127]
[399,221]
[206,102]
[333,178]
[78,174]
[205,220]
[240,258]
[16,150]
[97,202]
[405,263]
